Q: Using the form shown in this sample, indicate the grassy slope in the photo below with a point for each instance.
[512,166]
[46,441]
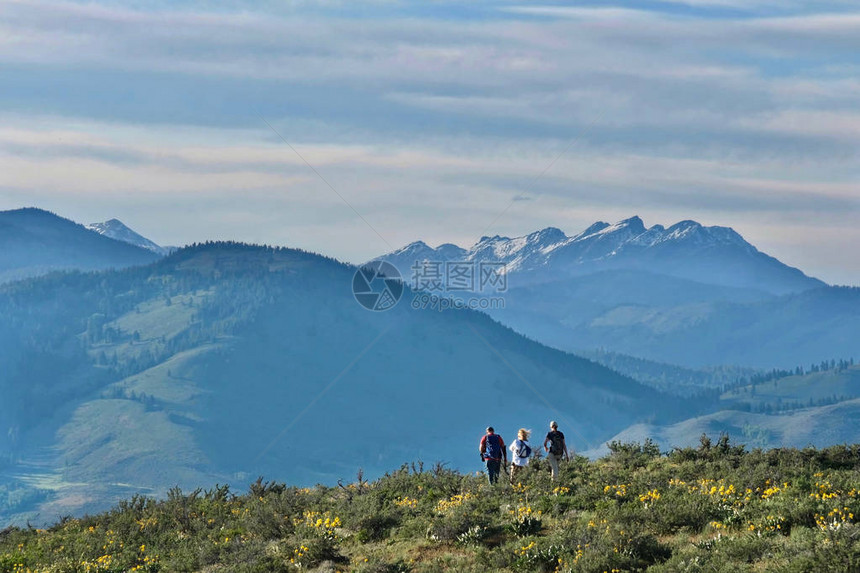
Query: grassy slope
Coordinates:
[669,377]
[795,425]
[715,508]
[116,433]
[799,389]
[824,425]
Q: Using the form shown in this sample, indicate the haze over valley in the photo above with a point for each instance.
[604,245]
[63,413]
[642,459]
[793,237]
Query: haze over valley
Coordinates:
[222,361]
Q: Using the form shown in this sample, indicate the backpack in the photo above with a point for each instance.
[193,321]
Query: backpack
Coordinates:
[524,450]
[556,446]
[493,449]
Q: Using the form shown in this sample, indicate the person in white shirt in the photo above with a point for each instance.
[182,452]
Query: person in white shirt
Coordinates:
[521,453]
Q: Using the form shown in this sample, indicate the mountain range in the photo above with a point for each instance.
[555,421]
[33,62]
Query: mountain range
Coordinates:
[688,295]
[685,250]
[222,361]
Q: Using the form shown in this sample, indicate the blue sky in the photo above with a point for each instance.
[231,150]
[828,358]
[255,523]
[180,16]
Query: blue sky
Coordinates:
[438,121]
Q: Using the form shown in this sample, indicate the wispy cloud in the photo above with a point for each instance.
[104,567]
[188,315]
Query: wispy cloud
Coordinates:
[430,121]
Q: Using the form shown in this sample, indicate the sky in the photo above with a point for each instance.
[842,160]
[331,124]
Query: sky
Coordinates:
[352,128]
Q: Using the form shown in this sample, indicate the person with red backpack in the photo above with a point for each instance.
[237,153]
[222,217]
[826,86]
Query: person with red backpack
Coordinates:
[493,452]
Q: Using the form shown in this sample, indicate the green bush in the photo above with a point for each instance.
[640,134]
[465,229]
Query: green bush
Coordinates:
[711,508]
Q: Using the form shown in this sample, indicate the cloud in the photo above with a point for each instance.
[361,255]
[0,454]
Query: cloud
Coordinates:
[429,124]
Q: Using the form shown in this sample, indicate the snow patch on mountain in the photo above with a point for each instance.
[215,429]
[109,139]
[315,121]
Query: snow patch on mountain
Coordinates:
[117,230]
[687,249]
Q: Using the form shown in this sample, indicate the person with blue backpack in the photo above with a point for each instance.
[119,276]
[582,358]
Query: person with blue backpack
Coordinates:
[521,451]
[493,452]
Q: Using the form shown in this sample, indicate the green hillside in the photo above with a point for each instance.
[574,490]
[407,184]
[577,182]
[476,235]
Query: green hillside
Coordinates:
[821,426]
[226,361]
[818,406]
[669,377]
[713,508]
[823,386]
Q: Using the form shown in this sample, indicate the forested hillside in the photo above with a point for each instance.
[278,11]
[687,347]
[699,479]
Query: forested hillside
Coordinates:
[35,242]
[225,361]
[813,405]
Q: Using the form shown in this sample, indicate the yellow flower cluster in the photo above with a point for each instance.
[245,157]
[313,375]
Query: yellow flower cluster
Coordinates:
[713,488]
[836,518]
[580,552]
[824,490]
[727,494]
[523,512]
[20,568]
[454,501]
[619,490]
[407,501]
[102,563]
[772,490]
[320,521]
[520,488]
[771,524]
[561,490]
[148,522]
[148,562]
[649,497]
[298,553]
[111,543]
[526,548]
[322,524]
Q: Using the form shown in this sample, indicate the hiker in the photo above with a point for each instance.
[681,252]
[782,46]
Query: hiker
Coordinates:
[557,448]
[492,452]
[521,452]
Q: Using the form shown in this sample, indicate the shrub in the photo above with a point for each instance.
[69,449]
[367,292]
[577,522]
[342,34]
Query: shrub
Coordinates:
[714,508]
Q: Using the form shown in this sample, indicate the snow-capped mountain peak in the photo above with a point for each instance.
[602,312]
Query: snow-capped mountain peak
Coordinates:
[628,228]
[694,233]
[117,230]
[550,235]
[412,247]
[687,249]
[593,229]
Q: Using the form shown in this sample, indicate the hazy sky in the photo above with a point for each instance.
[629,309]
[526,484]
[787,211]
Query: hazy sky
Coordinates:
[438,121]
